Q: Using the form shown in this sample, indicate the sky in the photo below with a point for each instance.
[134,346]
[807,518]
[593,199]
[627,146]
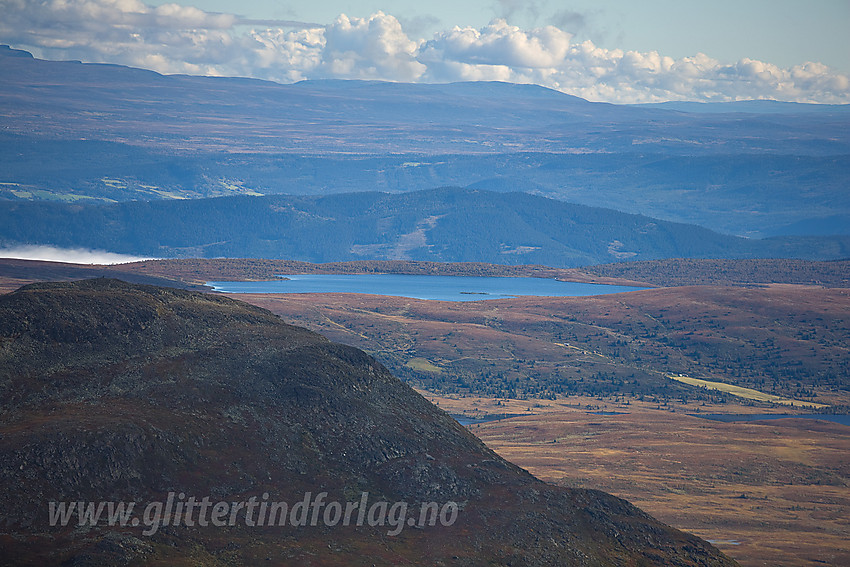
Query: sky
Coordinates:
[614,51]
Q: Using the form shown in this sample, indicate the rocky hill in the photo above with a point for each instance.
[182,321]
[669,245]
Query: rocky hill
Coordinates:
[122,392]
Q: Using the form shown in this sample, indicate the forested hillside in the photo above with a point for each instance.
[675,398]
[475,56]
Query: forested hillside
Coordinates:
[449,225]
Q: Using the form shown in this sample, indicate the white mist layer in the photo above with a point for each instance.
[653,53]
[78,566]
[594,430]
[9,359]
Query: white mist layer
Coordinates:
[68,255]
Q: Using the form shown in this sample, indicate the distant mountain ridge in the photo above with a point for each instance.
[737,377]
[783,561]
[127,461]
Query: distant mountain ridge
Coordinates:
[192,113]
[81,132]
[445,225]
[113,102]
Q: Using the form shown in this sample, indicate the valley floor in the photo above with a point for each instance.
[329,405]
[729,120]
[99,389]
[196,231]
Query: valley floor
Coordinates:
[766,493]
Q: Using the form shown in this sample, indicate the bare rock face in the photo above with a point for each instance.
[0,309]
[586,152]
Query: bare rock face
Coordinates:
[118,393]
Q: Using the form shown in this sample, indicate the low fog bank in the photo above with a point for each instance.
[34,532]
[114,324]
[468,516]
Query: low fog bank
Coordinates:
[69,255]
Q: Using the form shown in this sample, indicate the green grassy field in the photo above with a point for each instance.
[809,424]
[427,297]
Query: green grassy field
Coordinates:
[747,393]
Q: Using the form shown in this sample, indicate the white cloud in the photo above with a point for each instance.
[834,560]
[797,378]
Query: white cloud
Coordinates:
[282,55]
[68,255]
[500,44]
[370,48]
[181,39]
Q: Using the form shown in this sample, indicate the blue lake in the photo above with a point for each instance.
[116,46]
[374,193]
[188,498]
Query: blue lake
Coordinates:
[732,417]
[444,288]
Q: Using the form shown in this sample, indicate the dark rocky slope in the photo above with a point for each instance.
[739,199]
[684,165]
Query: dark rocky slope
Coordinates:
[119,392]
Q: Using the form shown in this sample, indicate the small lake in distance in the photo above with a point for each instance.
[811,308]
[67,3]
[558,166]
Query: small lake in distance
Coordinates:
[443,288]
[733,417]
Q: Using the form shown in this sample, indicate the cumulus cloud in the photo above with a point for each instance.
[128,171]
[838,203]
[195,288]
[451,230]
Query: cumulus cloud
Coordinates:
[501,44]
[370,48]
[68,255]
[172,38]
